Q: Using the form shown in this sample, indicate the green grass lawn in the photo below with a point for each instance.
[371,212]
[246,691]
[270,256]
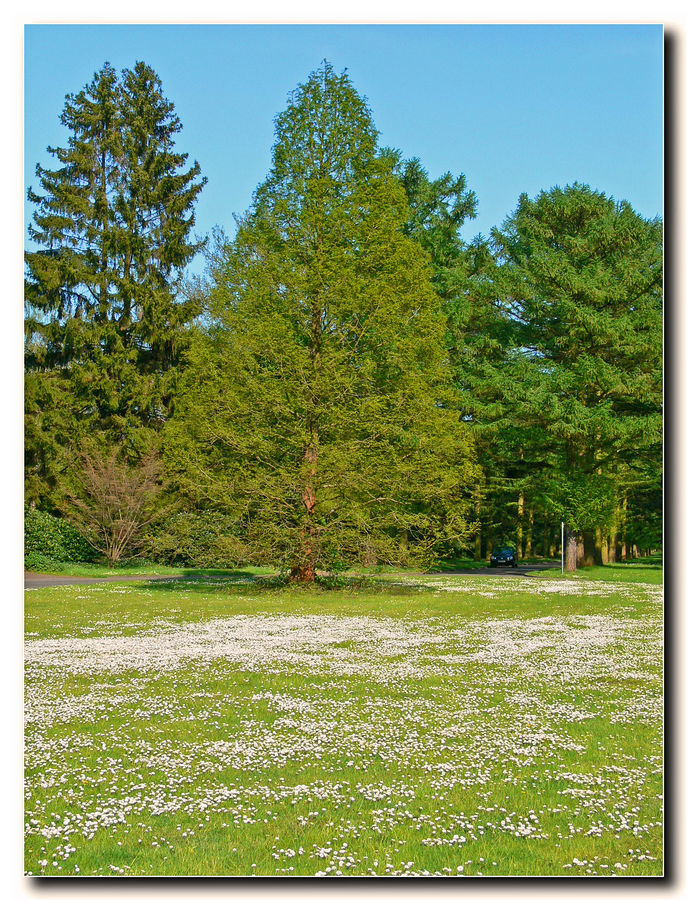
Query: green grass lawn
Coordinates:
[397,725]
[617,573]
[102,570]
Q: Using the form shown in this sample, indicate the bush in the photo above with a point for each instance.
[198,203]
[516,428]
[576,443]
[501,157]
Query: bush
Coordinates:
[201,539]
[48,538]
[38,562]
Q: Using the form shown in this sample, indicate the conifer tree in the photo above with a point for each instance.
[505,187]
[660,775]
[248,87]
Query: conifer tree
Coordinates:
[318,407]
[155,218]
[70,280]
[438,209]
[105,319]
[569,372]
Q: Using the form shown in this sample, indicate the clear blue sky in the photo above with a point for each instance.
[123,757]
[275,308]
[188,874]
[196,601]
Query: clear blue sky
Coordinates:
[516,108]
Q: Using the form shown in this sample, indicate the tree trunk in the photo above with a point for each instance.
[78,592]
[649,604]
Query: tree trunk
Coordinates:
[478,546]
[304,569]
[571,551]
[370,557]
[530,529]
[478,532]
[580,548]
[587,555]
[599,548]
[612,541]
[624,548]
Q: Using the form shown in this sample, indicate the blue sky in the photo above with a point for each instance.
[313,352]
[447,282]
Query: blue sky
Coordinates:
[515,107]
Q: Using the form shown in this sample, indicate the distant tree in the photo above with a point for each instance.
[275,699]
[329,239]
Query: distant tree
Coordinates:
[569,370]
[318,407]
[437,210]
[105,318]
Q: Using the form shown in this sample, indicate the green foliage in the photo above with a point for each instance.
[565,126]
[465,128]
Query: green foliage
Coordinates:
[105,313]
[47,537]
[645,520]
[196,538]
[581,283]
[564,361]
[582,499]
[317,410]
[38,562]
[50,423]
[437,210]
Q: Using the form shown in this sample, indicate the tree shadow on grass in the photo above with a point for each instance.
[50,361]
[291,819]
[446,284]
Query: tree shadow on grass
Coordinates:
[201,579]
[216,580]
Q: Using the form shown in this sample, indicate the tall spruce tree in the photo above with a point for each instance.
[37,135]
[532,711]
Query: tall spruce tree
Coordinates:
[105,320]
[70,279]
[318,407]
[155,217]
[569,374]
[437,210]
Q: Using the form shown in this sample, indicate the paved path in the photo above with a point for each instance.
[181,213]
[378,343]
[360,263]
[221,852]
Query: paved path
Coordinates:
[504,570]
[37,580]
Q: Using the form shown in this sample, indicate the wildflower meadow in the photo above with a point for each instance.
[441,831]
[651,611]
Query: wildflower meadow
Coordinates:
[473,726]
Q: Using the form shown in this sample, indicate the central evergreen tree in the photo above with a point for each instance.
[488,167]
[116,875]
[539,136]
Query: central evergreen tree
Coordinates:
[318,406]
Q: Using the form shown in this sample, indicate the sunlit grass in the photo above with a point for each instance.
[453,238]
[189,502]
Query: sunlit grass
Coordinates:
[636,571]
[133,567]
[405,725]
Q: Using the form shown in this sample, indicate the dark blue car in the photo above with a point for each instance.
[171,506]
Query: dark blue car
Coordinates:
[503,556]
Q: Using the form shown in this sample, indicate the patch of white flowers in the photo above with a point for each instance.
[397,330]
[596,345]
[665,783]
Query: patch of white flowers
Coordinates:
[382,726]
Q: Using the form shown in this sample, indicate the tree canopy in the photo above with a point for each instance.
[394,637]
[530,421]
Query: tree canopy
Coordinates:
[105,319]
[353,382]
[318,405]
[570,370]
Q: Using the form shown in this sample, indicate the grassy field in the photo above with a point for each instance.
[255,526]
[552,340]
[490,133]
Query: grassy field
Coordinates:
[102,570]
[398,726]
[639,572]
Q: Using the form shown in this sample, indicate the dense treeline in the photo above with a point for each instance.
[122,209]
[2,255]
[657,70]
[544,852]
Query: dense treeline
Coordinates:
[352,381]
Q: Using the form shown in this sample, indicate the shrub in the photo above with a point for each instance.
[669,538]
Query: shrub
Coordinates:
[38,562]
[48,538]
[112,501]
[201,539]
